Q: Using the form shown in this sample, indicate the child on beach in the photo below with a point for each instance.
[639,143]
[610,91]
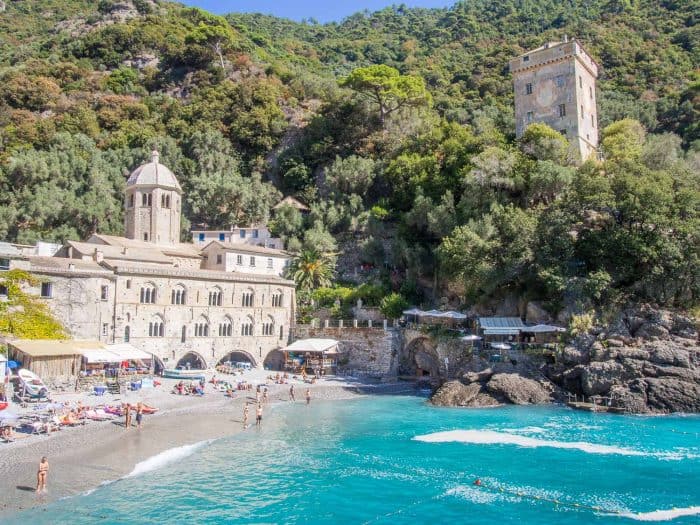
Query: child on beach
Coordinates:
[258,416]
[41,475]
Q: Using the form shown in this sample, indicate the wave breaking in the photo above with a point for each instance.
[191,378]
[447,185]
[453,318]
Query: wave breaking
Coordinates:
[166,457]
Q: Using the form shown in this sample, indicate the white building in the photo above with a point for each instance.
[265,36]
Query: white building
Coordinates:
[177,301]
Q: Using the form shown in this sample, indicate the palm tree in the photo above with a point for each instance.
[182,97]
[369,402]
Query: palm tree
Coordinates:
[312,269]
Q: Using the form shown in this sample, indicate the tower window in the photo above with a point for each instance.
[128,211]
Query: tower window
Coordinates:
[530,116]
[559,80]
[580,81]
[131,200]
[150,199]
[144,199]
[592,120]
[581,110]
[242,234]
[222,236]
[562,110]
[526,58]
[590,91]
[528,89]
[201,237]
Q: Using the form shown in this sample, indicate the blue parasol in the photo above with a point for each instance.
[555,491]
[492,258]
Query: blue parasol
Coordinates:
[13,364]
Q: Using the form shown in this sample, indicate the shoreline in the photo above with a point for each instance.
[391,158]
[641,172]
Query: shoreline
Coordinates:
[84,458]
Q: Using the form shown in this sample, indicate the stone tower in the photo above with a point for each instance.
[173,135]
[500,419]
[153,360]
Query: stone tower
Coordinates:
[555,84]
[153,204]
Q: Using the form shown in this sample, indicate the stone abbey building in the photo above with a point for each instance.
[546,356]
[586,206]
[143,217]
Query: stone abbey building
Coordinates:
[556,84]
[180,302]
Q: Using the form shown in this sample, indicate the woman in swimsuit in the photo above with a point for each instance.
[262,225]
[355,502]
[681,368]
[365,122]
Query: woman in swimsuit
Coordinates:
[41,475]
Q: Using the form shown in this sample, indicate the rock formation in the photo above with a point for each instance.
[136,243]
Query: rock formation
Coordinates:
[645,361]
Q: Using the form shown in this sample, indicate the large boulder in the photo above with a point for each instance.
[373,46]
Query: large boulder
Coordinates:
[517,389]
[599,377]
[457,394]
[534,313]
[669,394]
[668,354]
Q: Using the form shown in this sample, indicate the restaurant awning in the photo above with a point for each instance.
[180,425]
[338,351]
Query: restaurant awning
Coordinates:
[127,352]
[501,325]
[451,314]
[543,329]
[100,356]
[312,346]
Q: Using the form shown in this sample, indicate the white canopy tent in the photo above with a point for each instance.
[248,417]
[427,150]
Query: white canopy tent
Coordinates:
[543,329]
[317,355]
[127,352]
[471,338]
[312,346]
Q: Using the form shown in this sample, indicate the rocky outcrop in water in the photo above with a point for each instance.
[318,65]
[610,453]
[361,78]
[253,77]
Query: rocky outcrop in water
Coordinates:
[647,360]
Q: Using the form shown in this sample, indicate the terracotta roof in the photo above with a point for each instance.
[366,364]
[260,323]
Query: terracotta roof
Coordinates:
[248,248]
[177,250]
[63,264]
[291,201]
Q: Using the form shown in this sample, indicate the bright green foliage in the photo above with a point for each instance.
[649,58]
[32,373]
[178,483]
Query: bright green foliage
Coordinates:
[387,88]
[543,143]
[393,305]
[311,269]
[24,315]
[350,175]
[623,140]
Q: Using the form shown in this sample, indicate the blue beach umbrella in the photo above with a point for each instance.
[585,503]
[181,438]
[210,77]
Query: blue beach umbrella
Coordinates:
[13,364]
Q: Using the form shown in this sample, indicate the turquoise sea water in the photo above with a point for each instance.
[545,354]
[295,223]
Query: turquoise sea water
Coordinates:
[397,460]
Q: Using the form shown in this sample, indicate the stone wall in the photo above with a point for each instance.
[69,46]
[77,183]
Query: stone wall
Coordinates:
[366,351]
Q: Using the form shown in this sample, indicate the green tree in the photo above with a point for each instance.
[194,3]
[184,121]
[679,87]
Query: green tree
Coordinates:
[393,305]
[311,269]
[350,175]
[386,87]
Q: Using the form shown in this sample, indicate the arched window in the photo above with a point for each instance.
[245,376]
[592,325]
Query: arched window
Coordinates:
[131,200]
[201,327]
[268,327]
[247,326]
[281,331]
[150,199]
[156,328]
[216,297]
[148,293]
[127,334]
[144,199]
[226,327]
[167,201]
[183,336]
[177,296]
[277,299]
[248,298]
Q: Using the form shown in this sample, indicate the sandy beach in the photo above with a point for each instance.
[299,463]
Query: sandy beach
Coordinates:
[83,457]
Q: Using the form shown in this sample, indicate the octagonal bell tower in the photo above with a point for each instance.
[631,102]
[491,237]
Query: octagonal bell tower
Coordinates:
[153,204]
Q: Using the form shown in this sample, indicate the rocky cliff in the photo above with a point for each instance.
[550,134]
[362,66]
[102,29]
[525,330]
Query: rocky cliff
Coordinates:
[646,361]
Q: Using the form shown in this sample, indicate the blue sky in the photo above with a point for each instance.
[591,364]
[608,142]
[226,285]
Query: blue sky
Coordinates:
[321,10]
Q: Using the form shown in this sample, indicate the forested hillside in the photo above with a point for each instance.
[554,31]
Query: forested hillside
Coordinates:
[423,183]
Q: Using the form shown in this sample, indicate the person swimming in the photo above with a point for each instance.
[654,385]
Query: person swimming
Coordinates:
[42,474]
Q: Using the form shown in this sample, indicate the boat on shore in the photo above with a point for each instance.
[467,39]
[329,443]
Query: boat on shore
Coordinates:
[177,373]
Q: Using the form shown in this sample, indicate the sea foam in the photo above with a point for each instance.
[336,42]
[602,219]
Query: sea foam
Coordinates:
[491,437]
[661,515]
[166,457]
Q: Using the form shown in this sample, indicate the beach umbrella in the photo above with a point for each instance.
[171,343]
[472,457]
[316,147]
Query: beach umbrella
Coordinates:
[8,419]
[471,337]
[13,364]
[413,311]
[451,314]
[500,346]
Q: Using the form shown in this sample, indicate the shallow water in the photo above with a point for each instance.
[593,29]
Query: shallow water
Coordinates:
[397,460]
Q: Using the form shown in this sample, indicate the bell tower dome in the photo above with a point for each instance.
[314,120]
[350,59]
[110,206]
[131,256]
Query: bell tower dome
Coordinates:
[153,204]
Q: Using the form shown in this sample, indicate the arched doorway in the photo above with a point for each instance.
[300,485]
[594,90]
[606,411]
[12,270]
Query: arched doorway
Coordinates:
[237,356]
[192,361]
[420,360]
[274,361]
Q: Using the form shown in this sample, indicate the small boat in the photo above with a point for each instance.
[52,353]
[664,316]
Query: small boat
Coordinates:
[178,373]
[31,385]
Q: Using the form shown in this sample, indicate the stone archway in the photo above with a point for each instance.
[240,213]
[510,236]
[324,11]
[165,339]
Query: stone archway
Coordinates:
[274,361]
[420,359]
[158,365]
[193,361]
[238,356]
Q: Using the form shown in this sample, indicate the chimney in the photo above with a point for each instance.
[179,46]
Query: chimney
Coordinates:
[99,256]
[71,267]
[566,39]
[155,156]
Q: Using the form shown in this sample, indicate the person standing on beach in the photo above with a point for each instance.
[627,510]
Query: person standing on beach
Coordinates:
[127,416]
[245,416]
[291,393]
[258,416]
[42,474]
[308,396]
[139,414]
[265,395]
